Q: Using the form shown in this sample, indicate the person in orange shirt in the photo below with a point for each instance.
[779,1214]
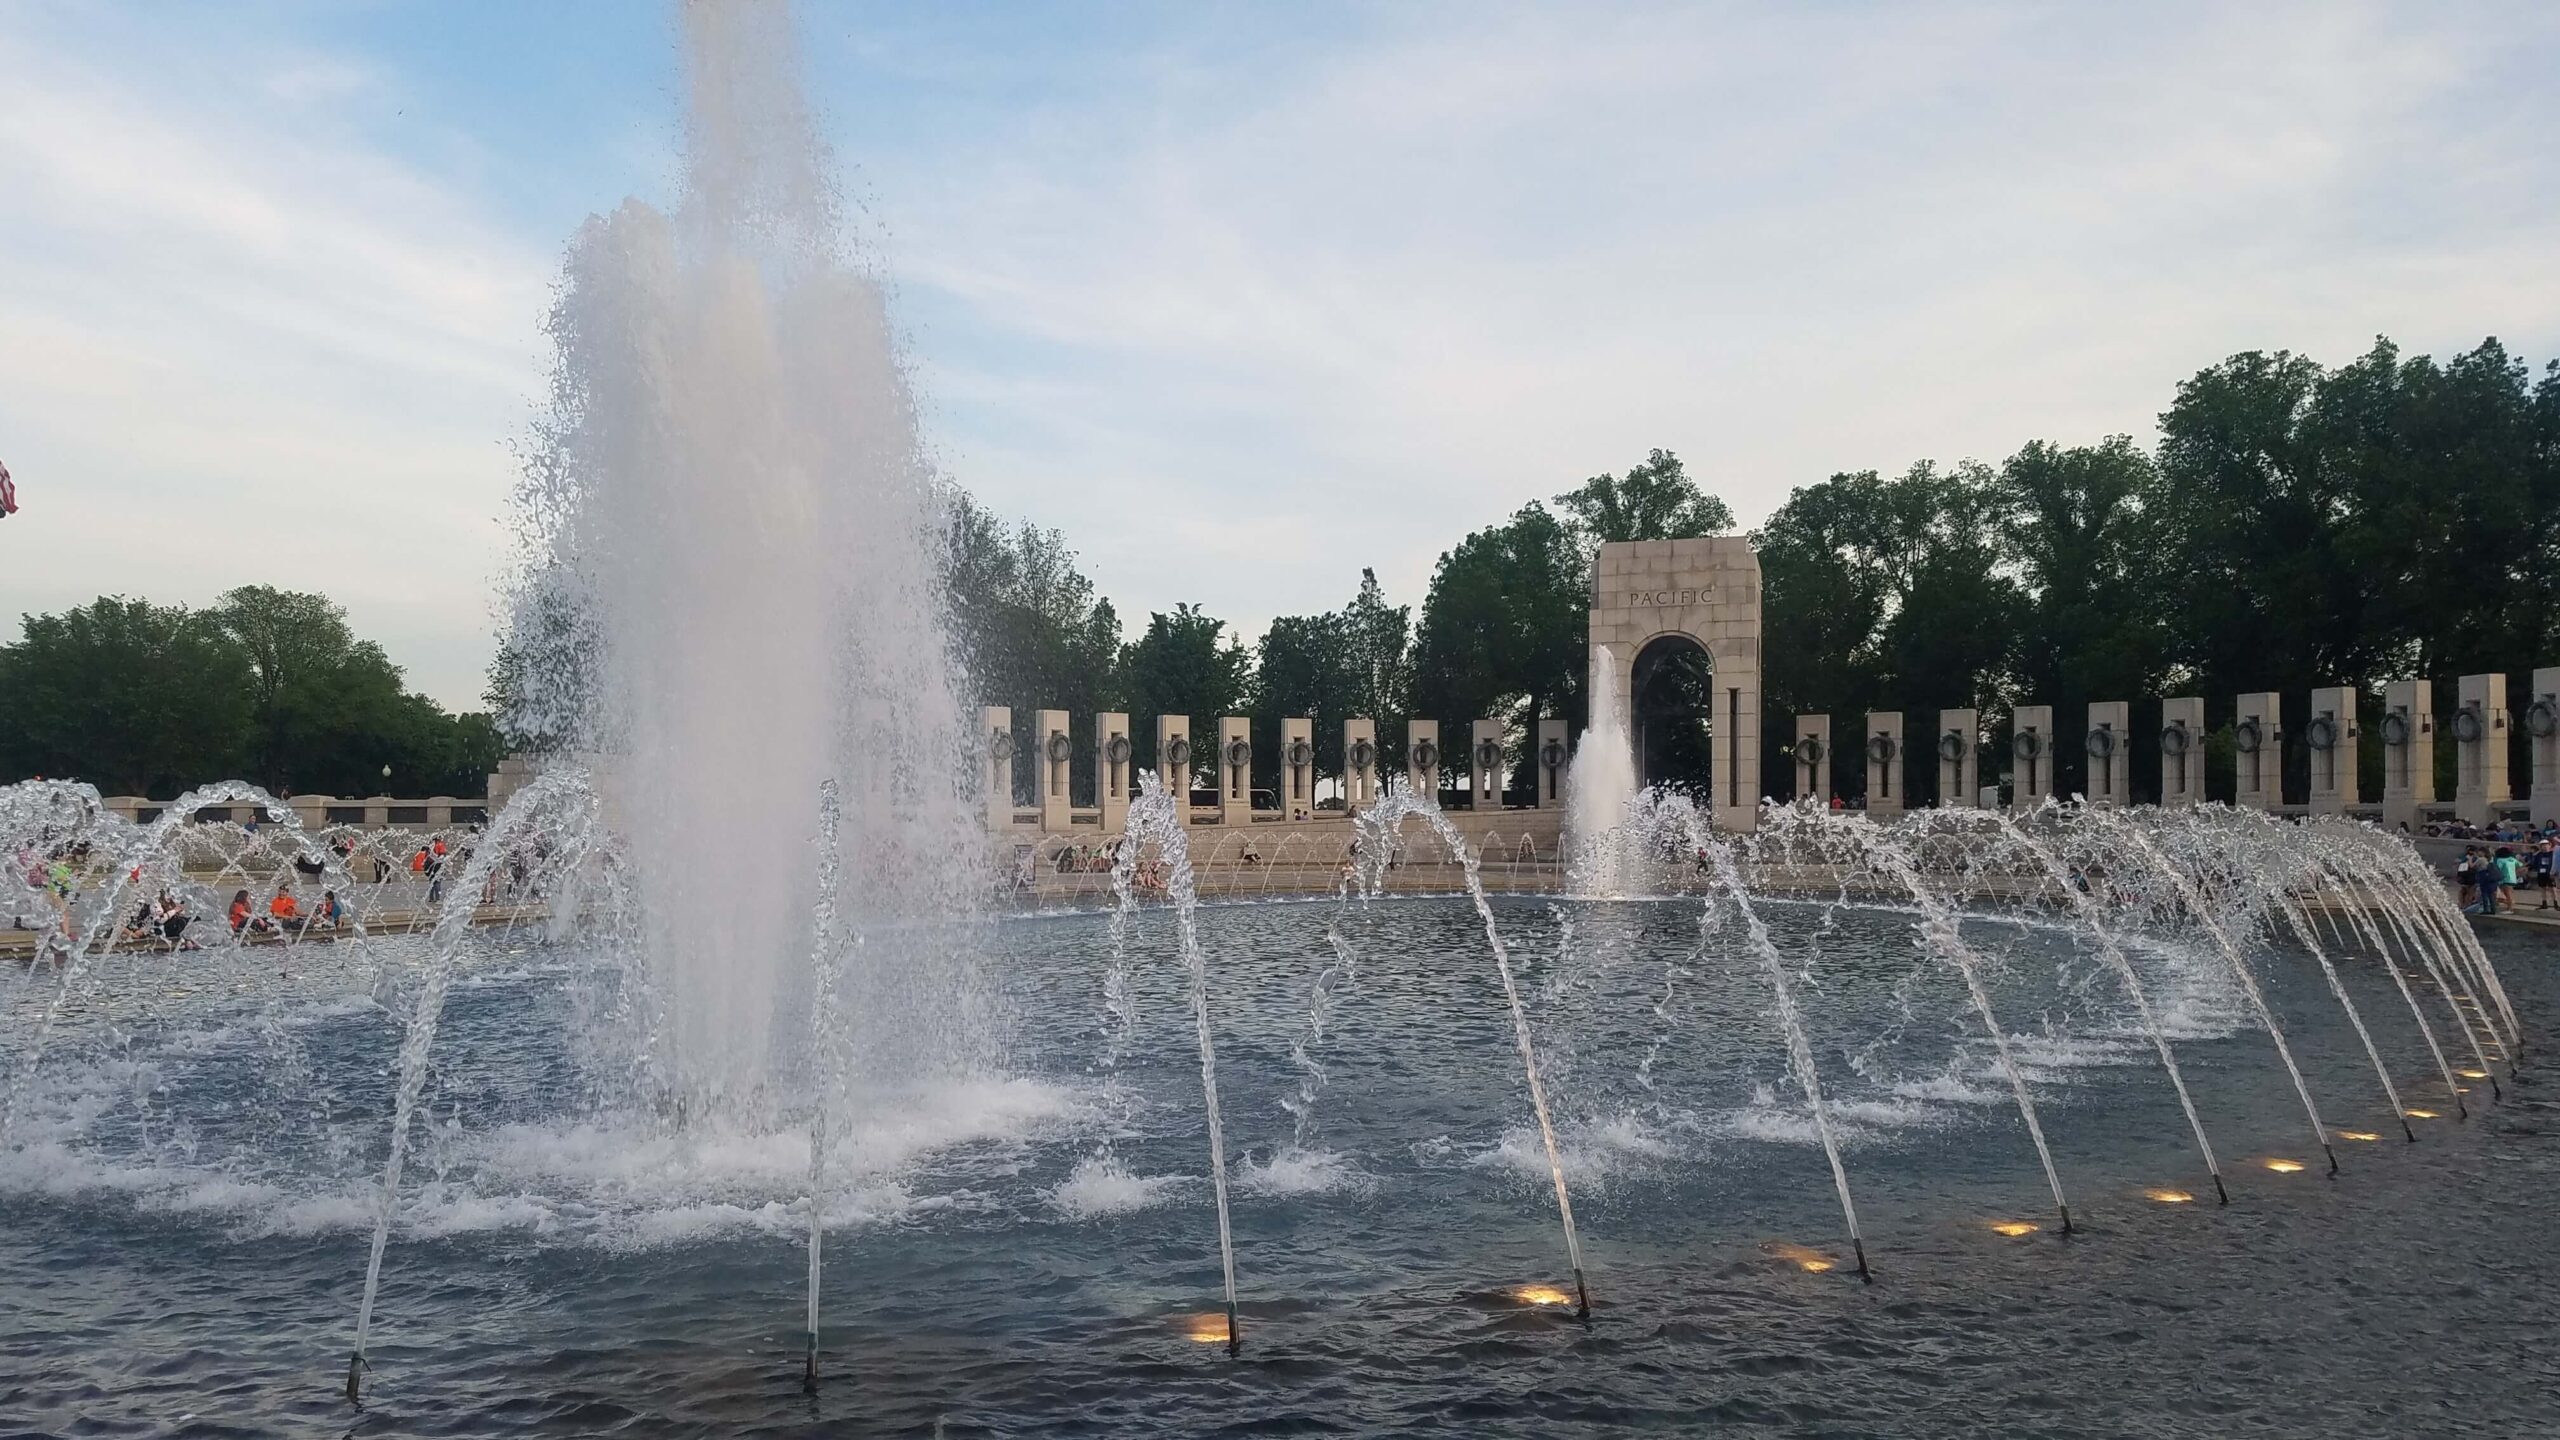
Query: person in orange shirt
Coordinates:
[286,910]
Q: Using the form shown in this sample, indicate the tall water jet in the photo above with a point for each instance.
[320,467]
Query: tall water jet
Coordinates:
[1940,927]
[2345,862]
[1599,785]
[730,604]
[830,1042]
[732,592]
[561,800]
[1799,1048]
[2085,905]
[1155,818]
[1391,812]
[2195,905]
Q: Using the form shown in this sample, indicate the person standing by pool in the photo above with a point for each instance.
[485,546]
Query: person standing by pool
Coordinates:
[2510,872]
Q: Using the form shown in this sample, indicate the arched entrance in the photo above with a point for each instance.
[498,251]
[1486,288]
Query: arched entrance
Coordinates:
[1678,621]
[1671,703]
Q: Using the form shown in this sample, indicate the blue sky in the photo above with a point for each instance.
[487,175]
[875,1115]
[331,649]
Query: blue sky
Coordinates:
[1243,298]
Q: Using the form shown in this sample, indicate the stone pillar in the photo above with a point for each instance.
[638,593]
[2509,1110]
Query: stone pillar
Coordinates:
[1884,764]
[1554,754]
[1813,758]
[2331,732]
[1298,768]
[1359,764]
[2542,722]
[2031,754]
[2408,751]
[996,724]
[516,772]
[1173,763]
[1737,722]
[1422,759]
[2182,751]
[2109,757]
[1959,759]
[1115,778]
[2257,735]
[2480,748]
[1052,753]
[1486,765]
[1235,770]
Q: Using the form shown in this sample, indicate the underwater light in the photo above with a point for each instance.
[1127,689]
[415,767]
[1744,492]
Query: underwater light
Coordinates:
[2284,1167]
[2420,1114]
[1811,1261]
[2357,1135]
[2169,1197]
[2472,1074]
[2014,1227]
[1209,1327]
[1540,1295]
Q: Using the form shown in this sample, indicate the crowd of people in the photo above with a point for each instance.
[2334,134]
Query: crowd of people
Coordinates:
[55,875]
[2486,880]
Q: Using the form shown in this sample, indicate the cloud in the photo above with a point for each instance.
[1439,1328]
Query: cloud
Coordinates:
[1242,300]
[1362,301]
[245,346]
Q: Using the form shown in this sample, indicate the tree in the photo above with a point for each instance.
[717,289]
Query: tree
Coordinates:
[136,698]
[1505,628]
[324,705]
[1302,667]
[2090,627]
[1185,664]
[1030,631]
[1656,500]
[1880,594]
[1377,643]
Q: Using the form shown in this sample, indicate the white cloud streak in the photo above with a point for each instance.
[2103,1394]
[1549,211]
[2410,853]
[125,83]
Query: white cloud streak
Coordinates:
[242,346]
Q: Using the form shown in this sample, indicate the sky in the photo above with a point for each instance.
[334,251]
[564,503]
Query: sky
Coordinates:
[1242,298]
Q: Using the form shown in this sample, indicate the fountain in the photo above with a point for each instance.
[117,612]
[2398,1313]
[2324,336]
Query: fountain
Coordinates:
[1599,786]
[747,896]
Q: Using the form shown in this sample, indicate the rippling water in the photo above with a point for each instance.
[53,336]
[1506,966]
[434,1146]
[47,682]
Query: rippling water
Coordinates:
[181,1232]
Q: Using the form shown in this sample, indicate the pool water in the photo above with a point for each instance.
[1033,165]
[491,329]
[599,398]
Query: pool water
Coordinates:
[1030,1249]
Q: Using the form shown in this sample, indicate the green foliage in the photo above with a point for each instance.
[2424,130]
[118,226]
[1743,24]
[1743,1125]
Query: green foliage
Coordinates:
[1505,628]
[1329,667]
[1655,501]
[268,685]
[136,698]
[1029,627]
[1185,664]
[1882,594]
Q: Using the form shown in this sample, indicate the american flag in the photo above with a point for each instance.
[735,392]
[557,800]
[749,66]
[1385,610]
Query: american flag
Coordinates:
[8,494]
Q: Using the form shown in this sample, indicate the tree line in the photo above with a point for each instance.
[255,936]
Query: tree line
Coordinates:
[2294,525]
[265,685]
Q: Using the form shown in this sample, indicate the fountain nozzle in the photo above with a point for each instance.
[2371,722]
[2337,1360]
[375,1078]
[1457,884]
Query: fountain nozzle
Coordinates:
[2333,1158]
[1235,1333]
[1860,1246]
[809,1374]
[2405,1130]
[2066,1219]
[1582,1297]
[2223,1194]
[355,1379]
